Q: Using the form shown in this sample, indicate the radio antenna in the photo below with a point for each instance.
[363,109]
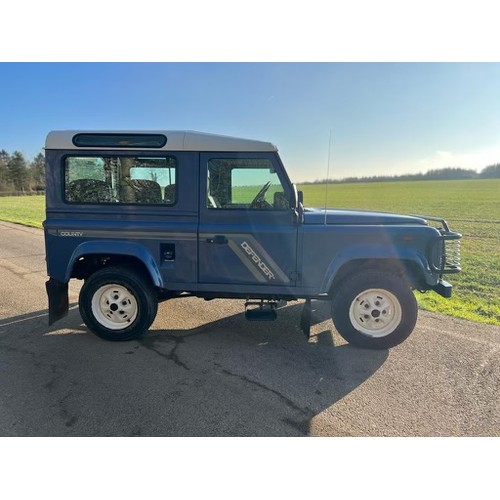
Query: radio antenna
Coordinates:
[328,172]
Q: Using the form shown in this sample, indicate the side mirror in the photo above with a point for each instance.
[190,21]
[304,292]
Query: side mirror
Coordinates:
[300,198]
[294,198]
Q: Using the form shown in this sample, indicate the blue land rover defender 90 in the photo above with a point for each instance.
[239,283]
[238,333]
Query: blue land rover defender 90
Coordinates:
[144,217]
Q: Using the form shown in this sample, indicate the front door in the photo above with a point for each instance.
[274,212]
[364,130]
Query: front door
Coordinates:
[247,233]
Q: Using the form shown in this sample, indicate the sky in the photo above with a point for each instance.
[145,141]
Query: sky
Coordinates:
[358,119]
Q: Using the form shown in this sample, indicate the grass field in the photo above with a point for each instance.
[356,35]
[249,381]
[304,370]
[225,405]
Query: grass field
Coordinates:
[471,207]
[27,210]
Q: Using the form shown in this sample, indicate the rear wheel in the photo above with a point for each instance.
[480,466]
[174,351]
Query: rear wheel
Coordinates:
[117,304]
[374,309]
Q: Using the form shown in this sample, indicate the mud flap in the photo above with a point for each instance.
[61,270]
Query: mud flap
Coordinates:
[57,293]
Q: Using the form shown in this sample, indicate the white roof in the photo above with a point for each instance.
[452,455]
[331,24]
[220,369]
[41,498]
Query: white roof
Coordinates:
[177,140]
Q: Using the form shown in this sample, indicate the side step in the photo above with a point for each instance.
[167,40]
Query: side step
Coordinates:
[305,318]
[262,310]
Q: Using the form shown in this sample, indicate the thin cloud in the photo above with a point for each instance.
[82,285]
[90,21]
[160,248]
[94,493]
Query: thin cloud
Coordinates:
[475,160]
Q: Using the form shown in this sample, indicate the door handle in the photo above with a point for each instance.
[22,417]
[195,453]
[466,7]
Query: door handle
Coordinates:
[218,239]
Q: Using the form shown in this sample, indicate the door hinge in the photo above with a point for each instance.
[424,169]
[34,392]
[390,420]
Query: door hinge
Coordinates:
[294,276]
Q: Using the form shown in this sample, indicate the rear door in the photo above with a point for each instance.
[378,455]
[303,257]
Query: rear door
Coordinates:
[247,233]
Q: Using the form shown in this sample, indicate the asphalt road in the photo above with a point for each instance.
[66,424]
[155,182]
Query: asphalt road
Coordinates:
[203,370]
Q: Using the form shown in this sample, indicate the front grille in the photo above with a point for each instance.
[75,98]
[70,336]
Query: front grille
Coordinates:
[451,255]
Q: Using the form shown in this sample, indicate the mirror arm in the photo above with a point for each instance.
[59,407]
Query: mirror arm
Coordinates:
[296,204]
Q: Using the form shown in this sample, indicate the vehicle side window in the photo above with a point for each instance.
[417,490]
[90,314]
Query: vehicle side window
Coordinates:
[238,183]
[120,179]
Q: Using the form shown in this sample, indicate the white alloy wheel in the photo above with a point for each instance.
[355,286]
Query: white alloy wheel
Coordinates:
[375,312]
[114,306]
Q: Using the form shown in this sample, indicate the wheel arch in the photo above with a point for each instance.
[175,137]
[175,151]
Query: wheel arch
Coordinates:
[409,270]
[91,256]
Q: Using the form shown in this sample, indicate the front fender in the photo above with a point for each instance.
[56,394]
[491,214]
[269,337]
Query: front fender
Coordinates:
[109,247]
[355,253]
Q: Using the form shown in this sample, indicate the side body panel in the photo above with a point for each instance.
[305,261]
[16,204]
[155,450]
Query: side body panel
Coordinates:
[326,248]
[164,238]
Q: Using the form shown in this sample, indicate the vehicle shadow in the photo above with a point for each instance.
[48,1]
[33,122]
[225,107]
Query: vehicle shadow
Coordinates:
[223,377]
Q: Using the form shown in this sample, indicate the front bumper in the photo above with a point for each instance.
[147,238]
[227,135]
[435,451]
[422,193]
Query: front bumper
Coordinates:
[443,288]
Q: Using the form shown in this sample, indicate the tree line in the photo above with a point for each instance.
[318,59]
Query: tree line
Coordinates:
[19,176]
[450,173]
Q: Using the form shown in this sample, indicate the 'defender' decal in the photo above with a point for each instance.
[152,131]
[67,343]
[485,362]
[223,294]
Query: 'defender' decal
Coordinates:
[257,260]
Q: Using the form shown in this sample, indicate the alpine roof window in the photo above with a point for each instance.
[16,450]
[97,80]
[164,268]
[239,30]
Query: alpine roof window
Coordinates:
[120,140]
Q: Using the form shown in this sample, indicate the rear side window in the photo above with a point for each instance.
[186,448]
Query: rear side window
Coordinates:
[120,179]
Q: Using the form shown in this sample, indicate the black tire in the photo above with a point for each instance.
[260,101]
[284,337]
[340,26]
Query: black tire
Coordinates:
[374,309]
[117,304]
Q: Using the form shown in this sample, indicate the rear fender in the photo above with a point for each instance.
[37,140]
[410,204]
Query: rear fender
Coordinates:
[129,249]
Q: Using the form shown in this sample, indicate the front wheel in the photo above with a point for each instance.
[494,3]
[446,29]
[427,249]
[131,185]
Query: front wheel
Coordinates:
[117,304]
[375,310]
